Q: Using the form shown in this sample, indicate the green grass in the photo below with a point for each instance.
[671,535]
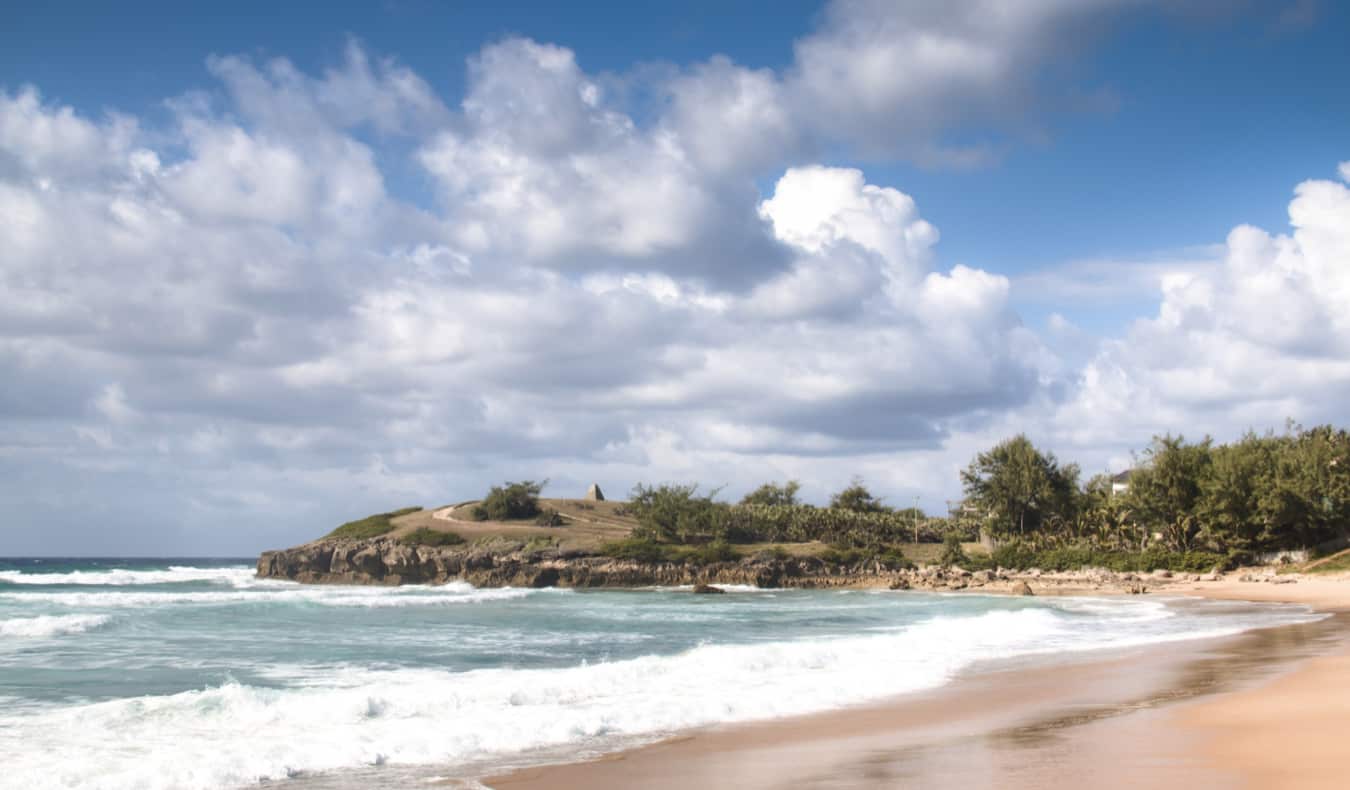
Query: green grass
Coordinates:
[425,536]
[371,526]
[1336,563]
[645,550]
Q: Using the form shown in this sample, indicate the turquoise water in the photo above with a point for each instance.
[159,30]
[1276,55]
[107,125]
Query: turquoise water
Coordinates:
[193,674]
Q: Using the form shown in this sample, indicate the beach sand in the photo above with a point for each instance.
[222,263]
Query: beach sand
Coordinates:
[1265,709]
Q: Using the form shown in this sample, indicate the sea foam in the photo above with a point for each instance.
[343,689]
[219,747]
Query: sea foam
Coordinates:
[118,577]
[265,591]
[51,625]
[235,734]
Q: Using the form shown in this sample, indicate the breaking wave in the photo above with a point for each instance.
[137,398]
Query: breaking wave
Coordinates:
[51,625]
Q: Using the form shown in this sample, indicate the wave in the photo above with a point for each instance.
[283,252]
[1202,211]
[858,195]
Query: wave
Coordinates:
[237,734]
[451,594]
[51,625]
[120,577]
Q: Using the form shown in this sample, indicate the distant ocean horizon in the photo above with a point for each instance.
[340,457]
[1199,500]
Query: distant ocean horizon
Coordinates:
[120,672]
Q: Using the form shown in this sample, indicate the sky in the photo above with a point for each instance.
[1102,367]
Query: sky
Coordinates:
[265,268]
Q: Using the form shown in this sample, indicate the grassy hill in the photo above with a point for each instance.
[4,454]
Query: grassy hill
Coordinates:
[586,527]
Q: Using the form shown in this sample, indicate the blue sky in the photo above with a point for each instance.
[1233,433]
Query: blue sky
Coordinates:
[1042,202]
[1234,99]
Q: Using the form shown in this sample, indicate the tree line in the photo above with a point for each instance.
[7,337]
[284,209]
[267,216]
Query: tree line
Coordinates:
[1262,493]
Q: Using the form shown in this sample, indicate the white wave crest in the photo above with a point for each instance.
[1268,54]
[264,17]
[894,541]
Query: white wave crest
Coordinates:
[118,577]
[235,734]
[455,593]
[51,625]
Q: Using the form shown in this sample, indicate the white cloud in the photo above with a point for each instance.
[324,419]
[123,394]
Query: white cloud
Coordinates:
[1262,337]
[893,78]
[241,302]
[545,169]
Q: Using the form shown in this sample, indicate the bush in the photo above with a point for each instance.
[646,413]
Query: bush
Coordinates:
[370,526]
[539,543]
[773,553]
[952,553]
[640,549]
[889,557]
[425,536]
[511,501]
[1016,555]
[717,551]
[636,549]
[479,513]
[549,518]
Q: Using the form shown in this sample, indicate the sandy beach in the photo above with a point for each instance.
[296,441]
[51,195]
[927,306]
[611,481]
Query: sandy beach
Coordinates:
[1264,709]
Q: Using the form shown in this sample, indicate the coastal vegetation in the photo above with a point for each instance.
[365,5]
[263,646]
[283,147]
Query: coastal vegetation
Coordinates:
[1185,506]
[1195,502]
[855,518]
[371,526]
[424,536]
[510,501]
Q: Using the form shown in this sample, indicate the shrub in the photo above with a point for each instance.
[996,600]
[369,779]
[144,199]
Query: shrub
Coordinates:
[952,553]
[889,557]
[549,518]
[636,549]
[773,553]
[479,513]
[539,543]
[511,501]
[892,558]
[771,494]
[1017,555]
[717,551]
[425,536]
[370,526]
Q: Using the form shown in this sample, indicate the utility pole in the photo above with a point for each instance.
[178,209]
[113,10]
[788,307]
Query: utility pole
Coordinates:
[916,520]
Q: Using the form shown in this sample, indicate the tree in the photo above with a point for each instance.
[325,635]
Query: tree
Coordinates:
[1165,491]
[1229,507]
[511,501]
[858,499]
[677,514]
[952,552]
[773,494]
[1020,488]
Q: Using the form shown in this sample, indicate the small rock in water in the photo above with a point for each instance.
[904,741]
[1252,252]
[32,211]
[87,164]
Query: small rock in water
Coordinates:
[708,589]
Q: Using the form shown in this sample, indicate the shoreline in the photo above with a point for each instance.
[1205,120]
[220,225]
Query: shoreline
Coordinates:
[1193,714]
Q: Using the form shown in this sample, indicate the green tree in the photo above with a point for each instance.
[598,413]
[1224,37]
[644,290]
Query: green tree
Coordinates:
[772,494]
[1021,489]
[511,501]
[952,552]
[677,514]
[1231,490]
[858,499]
[1165,491]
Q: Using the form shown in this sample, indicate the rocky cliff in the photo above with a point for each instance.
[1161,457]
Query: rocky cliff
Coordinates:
[386,561]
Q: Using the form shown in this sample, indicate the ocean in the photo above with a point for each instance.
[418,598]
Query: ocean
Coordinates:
[189,673]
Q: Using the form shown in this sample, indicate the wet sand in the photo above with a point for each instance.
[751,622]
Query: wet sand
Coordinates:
[1267,708]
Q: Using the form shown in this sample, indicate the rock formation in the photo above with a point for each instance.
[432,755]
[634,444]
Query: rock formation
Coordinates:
[384,560]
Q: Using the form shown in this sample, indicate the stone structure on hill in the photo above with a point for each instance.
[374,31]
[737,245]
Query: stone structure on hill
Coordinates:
[594,494]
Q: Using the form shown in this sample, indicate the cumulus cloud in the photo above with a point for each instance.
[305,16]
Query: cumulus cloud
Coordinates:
[545,169]
[1261,337]
[241,314]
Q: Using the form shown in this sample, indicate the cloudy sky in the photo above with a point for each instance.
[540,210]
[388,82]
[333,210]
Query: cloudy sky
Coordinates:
[264,271]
